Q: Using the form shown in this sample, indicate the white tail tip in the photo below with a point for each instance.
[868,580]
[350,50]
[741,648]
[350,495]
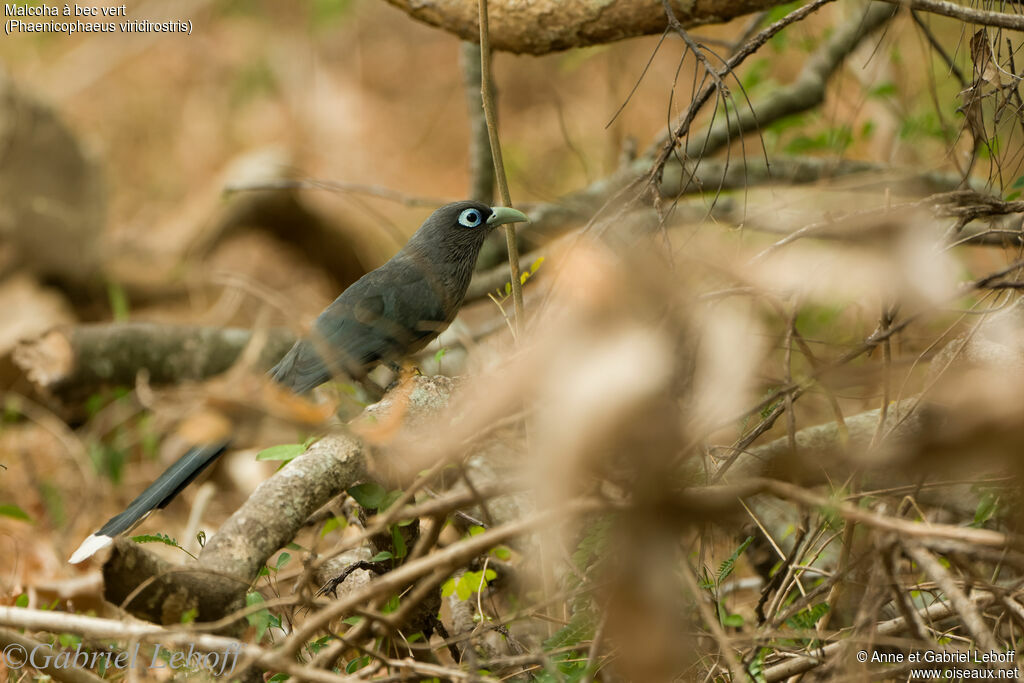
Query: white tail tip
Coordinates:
[89,547]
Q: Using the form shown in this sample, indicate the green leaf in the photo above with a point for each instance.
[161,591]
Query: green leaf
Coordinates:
[469,583]
[463,590]
[156,538]
[278,678]
[286,451]
[733,620]
[381,556]
[399,542]
[189,616]
[282,560]
[21,600]
[332,524]
[475,530]
[987,506]
[69,640]
[357,664]
[259,620]
[579,628]
[756,668]
[369,495]
[320,643]
[886,89]
[501,552]
[389,500]
[118,301]
[728,565]
[807,618]
[591,547]
[14,512]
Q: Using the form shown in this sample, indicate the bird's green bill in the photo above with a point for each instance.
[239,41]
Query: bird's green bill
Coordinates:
[500,215]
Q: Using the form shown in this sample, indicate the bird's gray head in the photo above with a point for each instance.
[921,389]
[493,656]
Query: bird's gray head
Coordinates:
[472,218]
[445,248]
[462,225]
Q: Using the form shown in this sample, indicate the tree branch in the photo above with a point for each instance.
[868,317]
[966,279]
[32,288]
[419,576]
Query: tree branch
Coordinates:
[71,362]
[491,117]
[542,26]
[966,14]
[216,584]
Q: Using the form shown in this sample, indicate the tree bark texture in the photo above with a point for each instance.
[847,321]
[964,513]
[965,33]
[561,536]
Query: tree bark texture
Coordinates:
[538,27]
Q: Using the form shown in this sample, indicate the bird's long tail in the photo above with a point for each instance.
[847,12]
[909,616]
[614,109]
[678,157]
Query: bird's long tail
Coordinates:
[157,495]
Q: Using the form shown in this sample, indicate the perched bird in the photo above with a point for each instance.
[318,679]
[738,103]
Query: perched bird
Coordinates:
[385,315]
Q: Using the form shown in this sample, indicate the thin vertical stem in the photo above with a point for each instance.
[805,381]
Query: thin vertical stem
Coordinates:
[499,164]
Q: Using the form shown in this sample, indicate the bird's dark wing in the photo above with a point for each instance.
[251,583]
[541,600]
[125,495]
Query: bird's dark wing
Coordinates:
[387,314]
[301,369]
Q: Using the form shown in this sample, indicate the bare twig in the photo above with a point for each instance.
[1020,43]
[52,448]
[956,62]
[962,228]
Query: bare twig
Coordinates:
[966,14]
[907,529]
[681,128]
[799,665]
[959,600]
[490,115]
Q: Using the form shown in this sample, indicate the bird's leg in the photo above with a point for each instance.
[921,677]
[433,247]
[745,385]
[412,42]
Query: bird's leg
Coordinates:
[403,373]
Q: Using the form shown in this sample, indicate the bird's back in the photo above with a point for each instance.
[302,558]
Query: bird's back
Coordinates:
[387,314]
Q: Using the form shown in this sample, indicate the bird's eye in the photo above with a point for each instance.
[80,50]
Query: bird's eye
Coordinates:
[469,218]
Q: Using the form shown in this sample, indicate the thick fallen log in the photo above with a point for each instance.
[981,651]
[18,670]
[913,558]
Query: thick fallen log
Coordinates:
[71,362]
